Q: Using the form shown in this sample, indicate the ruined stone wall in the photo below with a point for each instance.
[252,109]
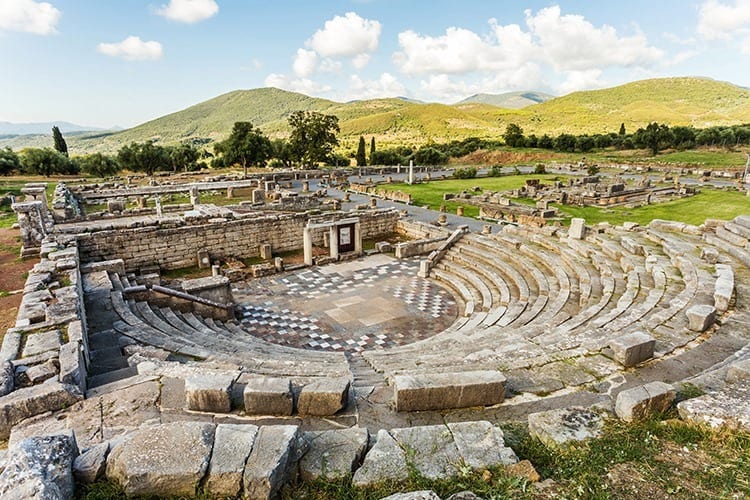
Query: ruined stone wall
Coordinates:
[173,246]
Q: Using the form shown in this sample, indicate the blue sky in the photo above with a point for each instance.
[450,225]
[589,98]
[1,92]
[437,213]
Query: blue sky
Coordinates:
[125,62]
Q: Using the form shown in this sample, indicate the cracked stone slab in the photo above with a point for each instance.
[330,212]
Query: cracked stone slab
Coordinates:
[430,449]
[232,446]
[481,444]
[643,401]
[37,343]
[332,454]
[729,407]
[557,427]
[385,461]
[271,461]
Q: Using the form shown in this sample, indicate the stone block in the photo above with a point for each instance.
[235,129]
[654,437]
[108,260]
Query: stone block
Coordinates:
[39,373]
[448,390]
[729,407]
[644,401]
[90,465]
[7,378]
[163,460]
[384,462]
[72,366]
[209,393]
[268,396]
[40,467]
[204,259]
[232,446]
[557,427]
[323,397]
[37,343]
[710,255]
[265,251]
[701,317]
[481,444]
[739,372]
[633,348]
[724,287]
[332,454]
[271,463]
[30,401]
[577,228]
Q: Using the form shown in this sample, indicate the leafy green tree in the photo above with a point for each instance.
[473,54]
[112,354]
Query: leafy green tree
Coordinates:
[281,151]
[709,136]
[9,161]
[387,157]
[531,141]
[592,169]
[513,135]
[585,143]
[144,157]
[683,137]
[654,137]
[99,165]
[313,136]
[546,142]
[602,141]
[46,162]
[428,155]
[728,139]
[565,142]
[184,157]
[245,146]
[372,148]
[60,144]
[361,160]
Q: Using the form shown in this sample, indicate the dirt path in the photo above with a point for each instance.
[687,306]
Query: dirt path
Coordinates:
[12,276]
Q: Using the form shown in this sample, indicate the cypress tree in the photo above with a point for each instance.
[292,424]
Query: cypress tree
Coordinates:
[361,159]
[622,129]
[372,148]
[60,144]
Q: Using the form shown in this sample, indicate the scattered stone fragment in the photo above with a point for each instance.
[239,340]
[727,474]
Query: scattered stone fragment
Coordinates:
[633,348]
[90,465]
[209,393]
[729,407]
[232,446]
[164,460]
[385,461]
[525,470]
[323,397]
[700,317]
[332,454]
[271,462]
[557,427]
[643,401]
[481,444]
[268,396]
[40,467]
[739,371]
[414,495]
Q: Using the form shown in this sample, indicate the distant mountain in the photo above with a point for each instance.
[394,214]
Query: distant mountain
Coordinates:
[509,100]
[43,128]
[699,102]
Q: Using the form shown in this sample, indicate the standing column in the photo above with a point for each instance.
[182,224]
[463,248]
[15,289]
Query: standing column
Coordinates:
[334,242]
[307,245]
[358,238]
[411,171]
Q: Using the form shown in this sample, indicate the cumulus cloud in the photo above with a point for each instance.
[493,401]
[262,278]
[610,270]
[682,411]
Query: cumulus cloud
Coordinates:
[581,79]
[722,19]
[346,36]
[386,85]
[450,88]
[132,49]
[27,16]
[302,85]
[305,62]
[188,11]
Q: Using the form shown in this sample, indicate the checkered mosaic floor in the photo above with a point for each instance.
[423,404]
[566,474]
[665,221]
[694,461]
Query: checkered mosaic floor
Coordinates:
[372,303]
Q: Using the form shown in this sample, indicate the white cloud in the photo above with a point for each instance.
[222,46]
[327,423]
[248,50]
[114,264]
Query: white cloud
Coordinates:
[27,16]
[132,49]
[330,66]
[347,36]
[581,80]
[570,42]
[446,88]
[386,85]
[305,63]
[188,11]
[302,85]
[720,20]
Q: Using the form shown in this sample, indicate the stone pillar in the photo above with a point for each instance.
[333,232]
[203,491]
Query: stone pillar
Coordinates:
[334,242]
[398,168]
[347,197]
[32,225]
[265,251]
[424,268]
[195,196]
[307,246]
[230,192]
[460,211]
[204,259]
[577,229]
[358,238]
[278,264]
[427,176]
[259,196]
[141,201]
[215,270]
[487,229]
[305,187]
[157,200]
[411,171]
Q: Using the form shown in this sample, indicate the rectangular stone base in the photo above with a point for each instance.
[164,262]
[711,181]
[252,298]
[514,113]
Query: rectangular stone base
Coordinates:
[449,390]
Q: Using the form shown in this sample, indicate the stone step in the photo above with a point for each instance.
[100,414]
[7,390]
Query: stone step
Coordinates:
[100,340]
[112,376]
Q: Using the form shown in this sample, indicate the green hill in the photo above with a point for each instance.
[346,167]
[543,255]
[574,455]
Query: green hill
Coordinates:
[510,100]
[676,101]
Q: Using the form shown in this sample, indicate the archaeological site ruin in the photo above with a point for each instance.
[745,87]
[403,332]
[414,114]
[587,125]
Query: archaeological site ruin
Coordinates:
[297,330]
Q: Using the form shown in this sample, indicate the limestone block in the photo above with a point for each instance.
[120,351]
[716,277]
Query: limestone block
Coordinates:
[414,495]
[481,444]
[710,255]
[701,317]
[323,397]
[448,390]
[268,396]
[265,251]
[631,246]
[7,376]
[385,461]
[332,454]
[209,393]
[163,460]
[39,373]
[724,287]
[577,228]
[72,366]
[739,371]
[40,467]
[633,348]
[232,446]
[37,343]
[27,402]
[729,407]
[271,463]
[90,465]
[644,401]
[557,427]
